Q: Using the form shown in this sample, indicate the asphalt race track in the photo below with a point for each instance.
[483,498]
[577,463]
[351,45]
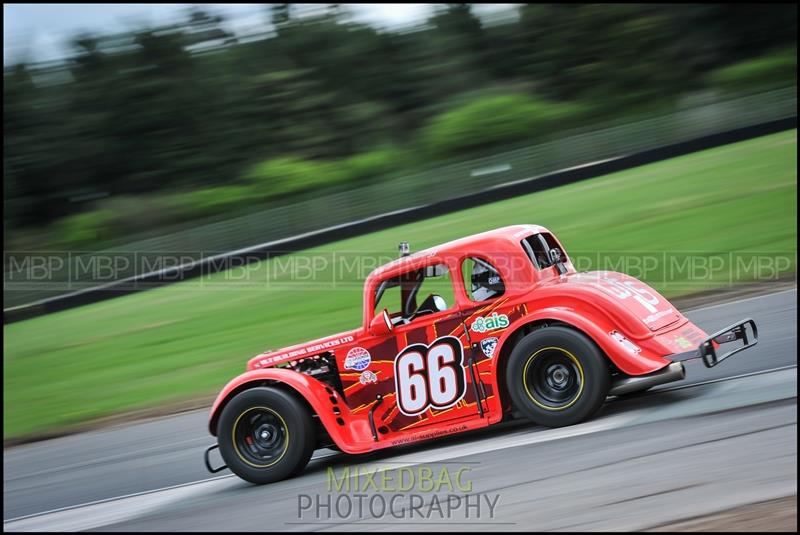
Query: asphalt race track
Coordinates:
[724,437]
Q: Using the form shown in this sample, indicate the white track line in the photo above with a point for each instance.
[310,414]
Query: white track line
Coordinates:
[116,498]
[118,509]
[102,460]
[114,510]
[141,493]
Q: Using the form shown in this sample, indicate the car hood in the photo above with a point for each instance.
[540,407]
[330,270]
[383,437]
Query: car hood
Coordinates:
[272,358]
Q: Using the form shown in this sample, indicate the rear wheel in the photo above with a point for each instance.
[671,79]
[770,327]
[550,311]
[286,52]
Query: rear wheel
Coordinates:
[265,435]
[557,376]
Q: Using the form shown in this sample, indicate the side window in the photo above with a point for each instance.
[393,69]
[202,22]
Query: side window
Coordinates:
[537,247]
[481,280]
[416,294]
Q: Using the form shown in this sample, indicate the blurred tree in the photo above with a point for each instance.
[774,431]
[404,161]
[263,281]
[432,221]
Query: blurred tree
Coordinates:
[748,30]
[206,29]
[281,14]
[26,185]
[148,116]
[455,50]
[89,150]
[604,52]
[154,120]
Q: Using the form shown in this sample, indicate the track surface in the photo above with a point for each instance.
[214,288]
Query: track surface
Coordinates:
[650,459]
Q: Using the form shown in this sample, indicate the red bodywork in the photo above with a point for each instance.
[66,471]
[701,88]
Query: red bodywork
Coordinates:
[632,324]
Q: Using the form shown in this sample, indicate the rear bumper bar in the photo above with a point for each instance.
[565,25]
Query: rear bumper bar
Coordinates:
[745,330]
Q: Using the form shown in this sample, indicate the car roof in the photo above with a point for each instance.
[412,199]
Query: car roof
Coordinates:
[499,240]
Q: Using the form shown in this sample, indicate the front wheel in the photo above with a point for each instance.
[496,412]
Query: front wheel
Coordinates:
[557,376]
[265,435]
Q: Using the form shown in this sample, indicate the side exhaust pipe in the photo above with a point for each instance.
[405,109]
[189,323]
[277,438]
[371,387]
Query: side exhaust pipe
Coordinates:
[673,372]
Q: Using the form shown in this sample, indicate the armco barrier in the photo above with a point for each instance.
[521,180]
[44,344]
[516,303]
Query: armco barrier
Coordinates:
[371,224]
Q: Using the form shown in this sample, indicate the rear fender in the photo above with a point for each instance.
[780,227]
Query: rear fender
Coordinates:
[323,399]
[598,330]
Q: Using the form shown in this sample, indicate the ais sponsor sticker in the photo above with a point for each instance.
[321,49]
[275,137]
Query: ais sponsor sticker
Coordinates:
[357,359]
[489,323]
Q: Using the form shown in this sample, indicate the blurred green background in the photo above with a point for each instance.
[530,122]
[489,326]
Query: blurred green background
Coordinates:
[185,126]
[168,124]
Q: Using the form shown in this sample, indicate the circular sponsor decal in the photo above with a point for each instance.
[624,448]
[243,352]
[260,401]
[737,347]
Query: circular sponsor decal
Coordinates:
[357,359]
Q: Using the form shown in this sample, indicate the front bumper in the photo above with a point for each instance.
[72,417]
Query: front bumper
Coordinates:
[745,330]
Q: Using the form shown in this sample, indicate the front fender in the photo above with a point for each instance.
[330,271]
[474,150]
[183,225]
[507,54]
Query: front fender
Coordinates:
[322,398]
[597,328]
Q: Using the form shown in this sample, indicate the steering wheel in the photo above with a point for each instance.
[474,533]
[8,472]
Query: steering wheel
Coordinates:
[429,306]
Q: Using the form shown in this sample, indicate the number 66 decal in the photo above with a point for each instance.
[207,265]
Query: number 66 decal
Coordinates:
[430,376]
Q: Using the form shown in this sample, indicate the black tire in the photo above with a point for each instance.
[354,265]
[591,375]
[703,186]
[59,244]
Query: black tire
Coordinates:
[265,435]
[557,376]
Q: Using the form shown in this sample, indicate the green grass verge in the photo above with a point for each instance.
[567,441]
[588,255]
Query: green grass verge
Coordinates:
[730,205]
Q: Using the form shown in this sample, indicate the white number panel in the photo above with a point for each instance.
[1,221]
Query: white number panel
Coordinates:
[430,376]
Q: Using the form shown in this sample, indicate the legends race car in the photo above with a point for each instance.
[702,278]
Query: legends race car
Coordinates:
[453,339]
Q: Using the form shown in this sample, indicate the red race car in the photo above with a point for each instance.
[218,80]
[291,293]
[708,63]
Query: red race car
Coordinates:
[453,338]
